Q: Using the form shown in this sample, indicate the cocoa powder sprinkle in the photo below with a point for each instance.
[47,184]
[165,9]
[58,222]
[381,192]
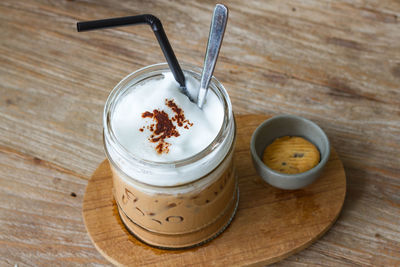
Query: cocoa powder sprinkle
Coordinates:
[164,126]
[147,114]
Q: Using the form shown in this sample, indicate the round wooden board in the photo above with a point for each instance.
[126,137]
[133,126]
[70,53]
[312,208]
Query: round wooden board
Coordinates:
[270,223]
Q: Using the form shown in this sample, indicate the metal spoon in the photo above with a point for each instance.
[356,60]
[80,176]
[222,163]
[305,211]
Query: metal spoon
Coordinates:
[217,30]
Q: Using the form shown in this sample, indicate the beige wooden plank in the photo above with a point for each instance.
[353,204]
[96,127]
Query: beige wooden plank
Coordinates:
[40,214]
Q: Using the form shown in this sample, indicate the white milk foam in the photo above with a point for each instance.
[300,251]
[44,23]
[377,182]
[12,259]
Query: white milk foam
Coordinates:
[127,119]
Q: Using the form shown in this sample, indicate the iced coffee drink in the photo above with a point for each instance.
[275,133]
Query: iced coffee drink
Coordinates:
[174,180]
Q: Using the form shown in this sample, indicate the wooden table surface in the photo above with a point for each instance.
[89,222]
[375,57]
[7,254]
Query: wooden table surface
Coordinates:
[334,62]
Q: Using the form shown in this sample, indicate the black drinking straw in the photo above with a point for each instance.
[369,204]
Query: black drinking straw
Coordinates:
[158,30]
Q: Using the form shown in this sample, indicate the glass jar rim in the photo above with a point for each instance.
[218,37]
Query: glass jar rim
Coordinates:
[143,73]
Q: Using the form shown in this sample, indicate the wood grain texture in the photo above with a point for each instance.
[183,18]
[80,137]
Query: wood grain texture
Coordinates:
[270,224]
[334,62]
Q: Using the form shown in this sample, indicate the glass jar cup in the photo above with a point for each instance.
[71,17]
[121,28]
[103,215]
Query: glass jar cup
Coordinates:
[169,215]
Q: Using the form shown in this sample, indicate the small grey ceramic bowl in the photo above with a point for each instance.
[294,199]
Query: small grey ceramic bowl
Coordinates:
[288,125]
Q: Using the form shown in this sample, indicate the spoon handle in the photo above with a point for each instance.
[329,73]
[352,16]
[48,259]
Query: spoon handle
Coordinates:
[217,30]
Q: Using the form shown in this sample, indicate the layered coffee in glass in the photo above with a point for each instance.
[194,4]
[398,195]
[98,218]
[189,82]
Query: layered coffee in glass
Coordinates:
[174,179]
